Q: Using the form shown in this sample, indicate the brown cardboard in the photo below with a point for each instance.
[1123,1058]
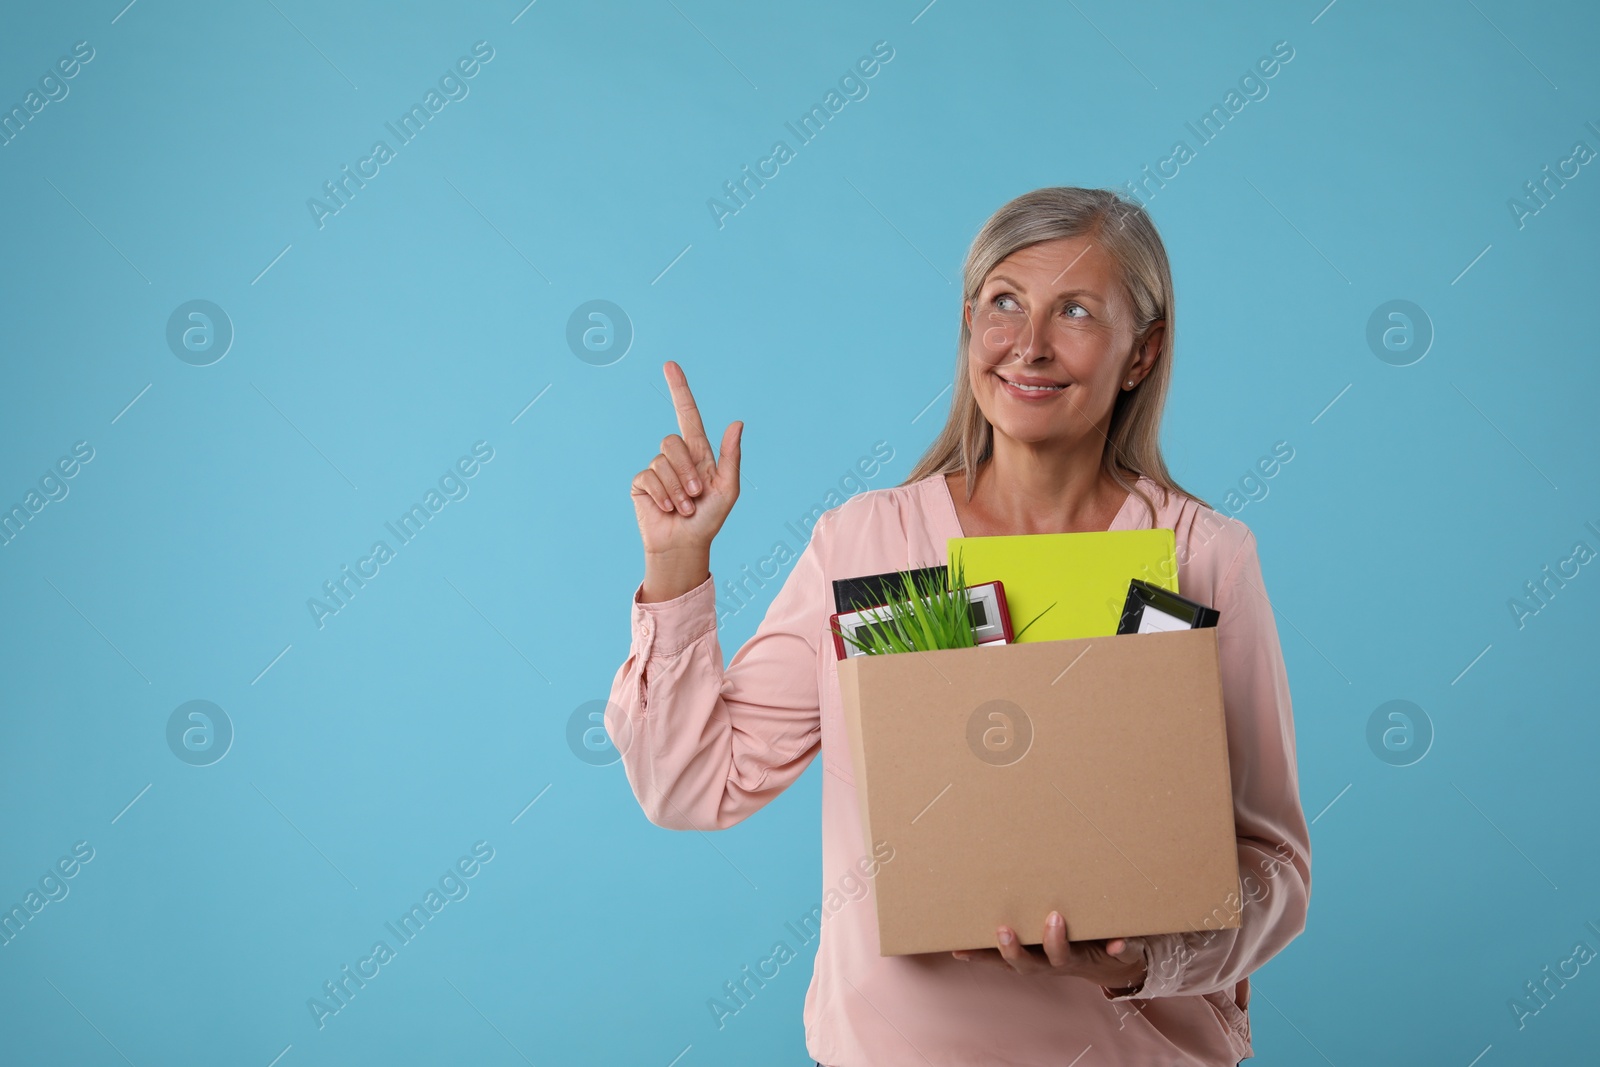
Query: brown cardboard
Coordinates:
[1118,812]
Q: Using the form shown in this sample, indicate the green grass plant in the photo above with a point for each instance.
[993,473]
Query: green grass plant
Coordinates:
[932,613]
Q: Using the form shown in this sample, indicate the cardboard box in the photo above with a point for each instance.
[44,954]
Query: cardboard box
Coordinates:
[1088,776]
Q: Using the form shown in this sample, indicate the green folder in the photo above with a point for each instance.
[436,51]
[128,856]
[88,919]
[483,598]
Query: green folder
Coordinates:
[1081,577]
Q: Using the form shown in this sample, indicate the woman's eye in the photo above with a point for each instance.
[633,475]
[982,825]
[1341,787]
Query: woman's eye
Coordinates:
[1007,302]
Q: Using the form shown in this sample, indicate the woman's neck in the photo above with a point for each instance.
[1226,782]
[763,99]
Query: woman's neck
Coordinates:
[1036,500]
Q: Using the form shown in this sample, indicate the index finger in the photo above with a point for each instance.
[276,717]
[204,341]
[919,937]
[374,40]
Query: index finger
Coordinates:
[689,423]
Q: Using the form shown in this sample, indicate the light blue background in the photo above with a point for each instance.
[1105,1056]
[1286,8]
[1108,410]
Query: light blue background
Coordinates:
[425,316]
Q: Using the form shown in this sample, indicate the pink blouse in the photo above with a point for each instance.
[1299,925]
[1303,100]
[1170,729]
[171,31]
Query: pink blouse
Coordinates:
[705,746]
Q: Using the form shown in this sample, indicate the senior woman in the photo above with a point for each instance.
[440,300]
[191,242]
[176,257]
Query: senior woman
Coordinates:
[1062,370]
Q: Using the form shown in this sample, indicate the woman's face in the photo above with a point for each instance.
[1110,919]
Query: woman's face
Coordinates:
[1054,314]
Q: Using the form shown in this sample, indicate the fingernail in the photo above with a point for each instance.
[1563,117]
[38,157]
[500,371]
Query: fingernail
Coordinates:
[694,485]
[1005,937]
[1055,918]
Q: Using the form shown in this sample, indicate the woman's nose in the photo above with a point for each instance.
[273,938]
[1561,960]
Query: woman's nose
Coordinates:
[1008,335]
[1034,344]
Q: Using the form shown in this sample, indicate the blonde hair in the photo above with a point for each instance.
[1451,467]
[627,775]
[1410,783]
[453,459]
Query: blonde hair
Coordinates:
[1123,227]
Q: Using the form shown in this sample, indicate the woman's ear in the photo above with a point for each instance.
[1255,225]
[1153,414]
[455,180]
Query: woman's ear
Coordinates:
[1150,350]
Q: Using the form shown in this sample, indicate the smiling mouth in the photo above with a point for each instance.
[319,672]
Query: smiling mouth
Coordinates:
[1032,388]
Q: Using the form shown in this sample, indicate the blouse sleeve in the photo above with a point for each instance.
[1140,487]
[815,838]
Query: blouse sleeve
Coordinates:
[705,746]
[1273,838]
